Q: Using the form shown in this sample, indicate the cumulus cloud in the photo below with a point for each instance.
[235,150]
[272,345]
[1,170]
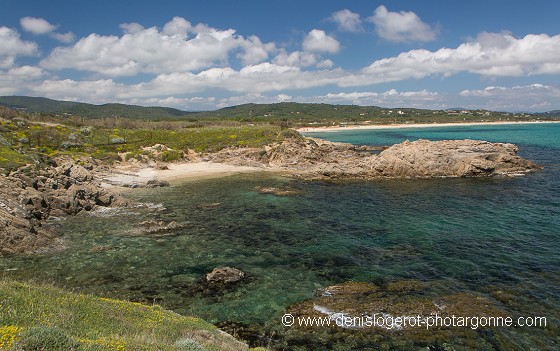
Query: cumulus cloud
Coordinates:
[40,26]
[12,46]
[64,37]
[148,50]
[301,59]
[37,26]
[533,97]
[401,26]
[347,21]
[490,54]
[318,41]
[255,51]
[19,79]
[389,98]
[170,90]
[177,26]
[131,28]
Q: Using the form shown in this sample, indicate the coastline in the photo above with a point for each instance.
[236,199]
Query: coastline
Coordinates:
[127,174]
[412,125]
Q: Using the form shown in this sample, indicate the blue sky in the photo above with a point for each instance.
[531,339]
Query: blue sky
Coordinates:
[195,55]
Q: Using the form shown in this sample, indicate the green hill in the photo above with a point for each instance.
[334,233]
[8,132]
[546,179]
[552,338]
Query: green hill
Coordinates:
[44,105]
[291,113]
[45,318]
[289,110]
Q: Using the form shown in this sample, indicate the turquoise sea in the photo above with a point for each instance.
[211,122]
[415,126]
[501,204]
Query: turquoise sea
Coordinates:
[468,235]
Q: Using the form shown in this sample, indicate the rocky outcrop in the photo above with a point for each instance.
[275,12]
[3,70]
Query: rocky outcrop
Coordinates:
[29,196]
[310,158]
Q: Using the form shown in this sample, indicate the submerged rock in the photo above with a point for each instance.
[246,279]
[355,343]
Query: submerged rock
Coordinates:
[157,228]
[358,301]
[224,275]
[154,183]
[277,191]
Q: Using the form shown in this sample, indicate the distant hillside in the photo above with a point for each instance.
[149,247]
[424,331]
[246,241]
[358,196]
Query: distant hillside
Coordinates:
[289,110]
[44,105]
[290,113]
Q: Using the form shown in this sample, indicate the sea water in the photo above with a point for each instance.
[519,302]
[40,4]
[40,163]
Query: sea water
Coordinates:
[474,235]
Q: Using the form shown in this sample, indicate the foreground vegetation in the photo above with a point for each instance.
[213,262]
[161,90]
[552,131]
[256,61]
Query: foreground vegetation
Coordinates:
[40,317]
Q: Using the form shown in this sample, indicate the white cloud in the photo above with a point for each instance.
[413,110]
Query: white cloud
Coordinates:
[18,79]
[36,25]
[255,51]
[318,41]
[148,50]
[40,26]
[389,98]
[401,26]
[177,26]
[12,46]
[295,59]
[64,37]
[347,21]
[533,97]
[490,54]
[131,28]
[170,90]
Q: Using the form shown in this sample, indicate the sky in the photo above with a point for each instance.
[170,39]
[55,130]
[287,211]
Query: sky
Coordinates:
[204,55]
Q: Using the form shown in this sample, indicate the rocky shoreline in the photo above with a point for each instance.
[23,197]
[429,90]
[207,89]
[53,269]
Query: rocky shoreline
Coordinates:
[31,194]
[316,159]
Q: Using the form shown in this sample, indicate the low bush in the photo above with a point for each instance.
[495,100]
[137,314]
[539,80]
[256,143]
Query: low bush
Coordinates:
[45,339]
[171,155]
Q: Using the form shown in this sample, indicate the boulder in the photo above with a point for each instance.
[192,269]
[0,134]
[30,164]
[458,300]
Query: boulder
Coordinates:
[224,275]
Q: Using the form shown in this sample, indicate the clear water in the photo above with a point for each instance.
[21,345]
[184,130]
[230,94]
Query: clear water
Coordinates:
[473,235]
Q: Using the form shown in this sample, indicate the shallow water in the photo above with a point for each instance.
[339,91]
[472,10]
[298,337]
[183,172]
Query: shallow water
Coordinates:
[475,235]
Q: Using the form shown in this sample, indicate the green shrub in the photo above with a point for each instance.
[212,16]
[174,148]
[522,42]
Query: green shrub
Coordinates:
[45,339]
[188,344]
[171,155]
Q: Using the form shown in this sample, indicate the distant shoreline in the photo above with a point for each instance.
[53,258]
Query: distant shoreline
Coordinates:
[412,125]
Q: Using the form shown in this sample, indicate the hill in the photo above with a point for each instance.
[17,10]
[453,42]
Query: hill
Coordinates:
[46,318]
[44,105]
[284,113]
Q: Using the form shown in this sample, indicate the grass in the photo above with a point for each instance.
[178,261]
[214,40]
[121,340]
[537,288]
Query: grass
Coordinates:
[42,317]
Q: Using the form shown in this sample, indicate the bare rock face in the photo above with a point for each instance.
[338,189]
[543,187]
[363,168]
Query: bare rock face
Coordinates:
[29,196]
[224,275]
[315,159]
[450,158]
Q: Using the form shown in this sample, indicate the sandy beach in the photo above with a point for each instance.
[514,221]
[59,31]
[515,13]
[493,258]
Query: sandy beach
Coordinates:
[411,125]
[127,174]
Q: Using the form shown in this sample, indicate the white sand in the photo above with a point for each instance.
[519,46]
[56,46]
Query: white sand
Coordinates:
[412,125]
[177,172]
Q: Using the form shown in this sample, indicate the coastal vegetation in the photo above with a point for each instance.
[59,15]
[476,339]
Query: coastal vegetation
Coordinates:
[26,138]
[42,317]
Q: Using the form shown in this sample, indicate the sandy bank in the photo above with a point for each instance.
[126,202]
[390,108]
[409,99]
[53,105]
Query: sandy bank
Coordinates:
[128,174]
[412,125]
